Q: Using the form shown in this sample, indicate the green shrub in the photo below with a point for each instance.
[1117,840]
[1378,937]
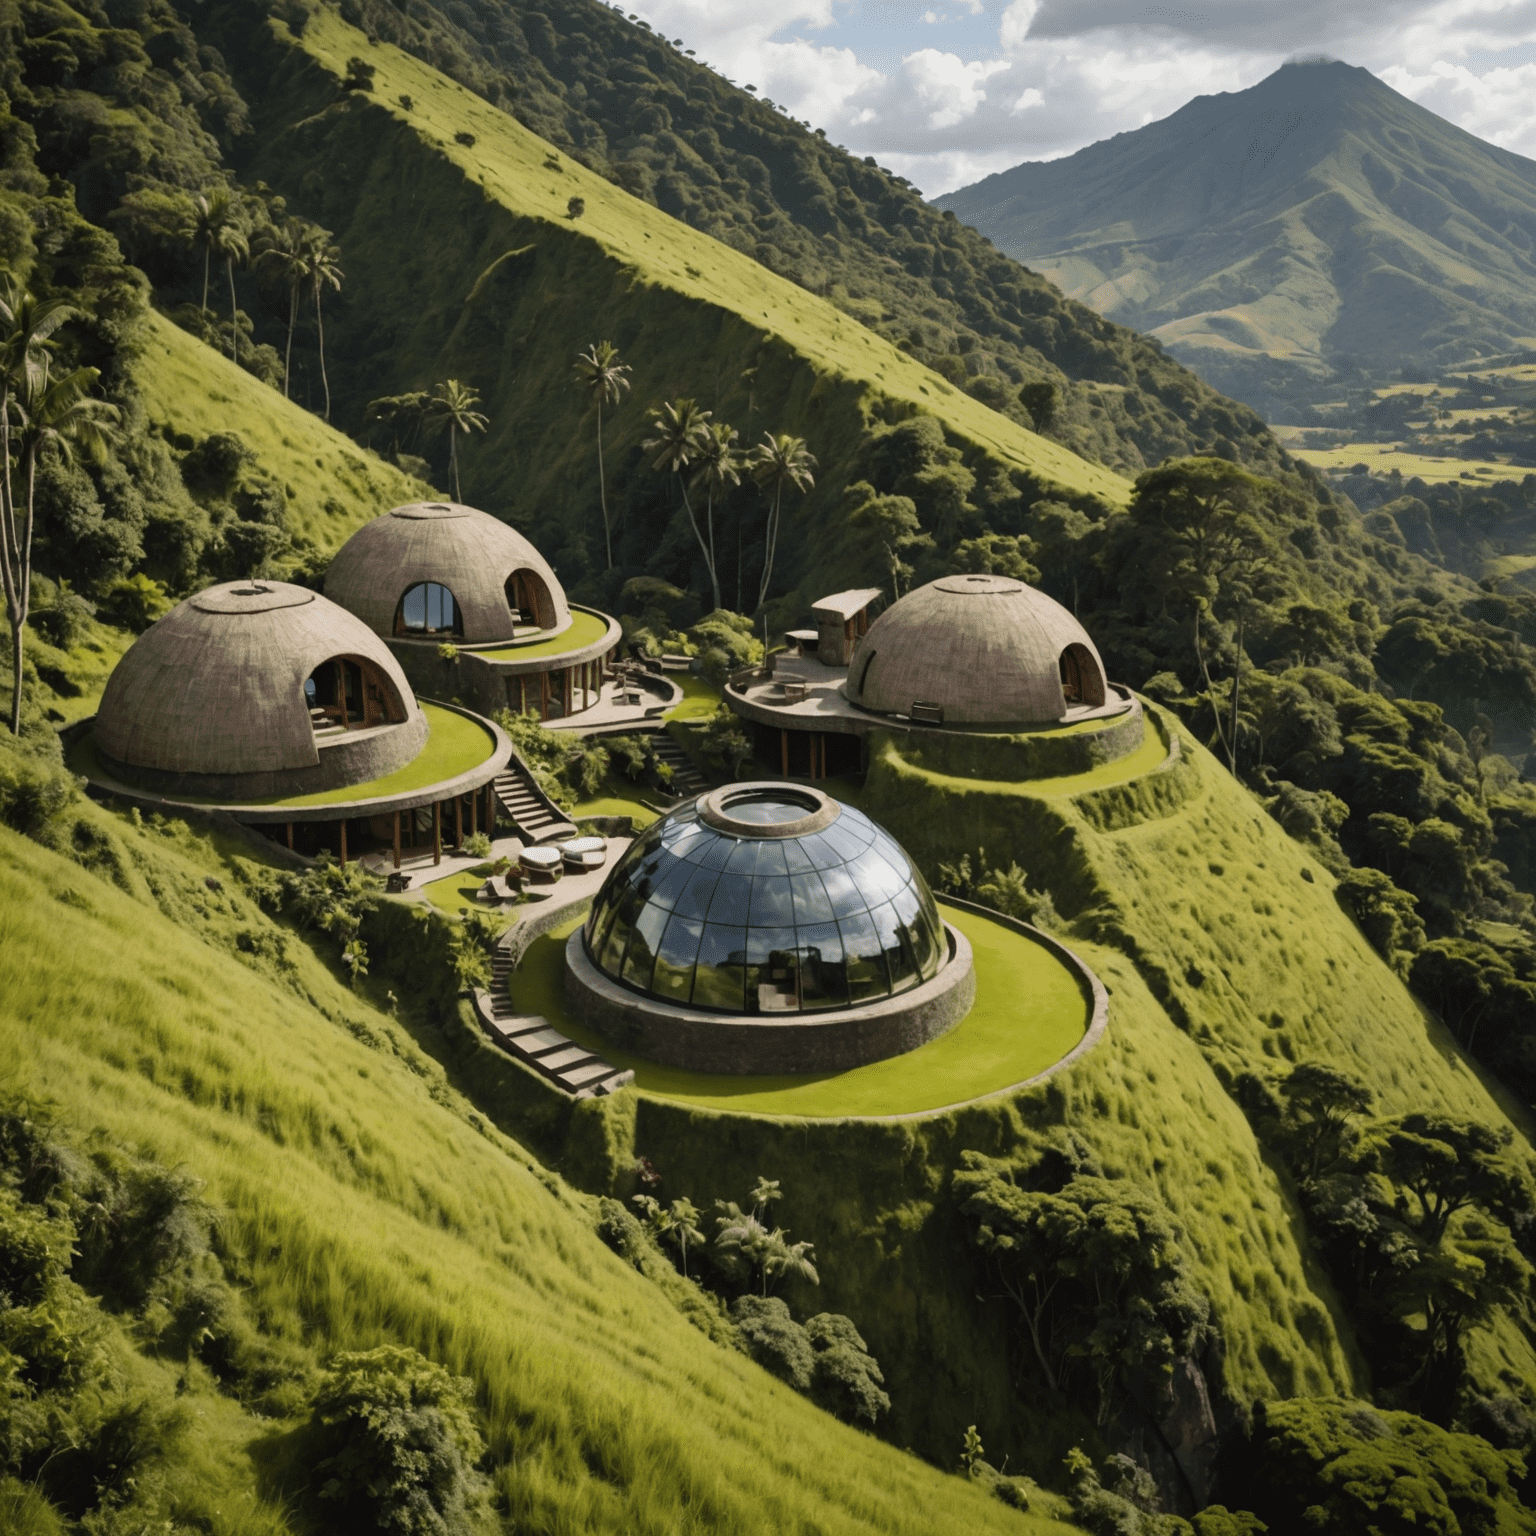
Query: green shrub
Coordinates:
[774,1339]
[845,1378]
[398,1445]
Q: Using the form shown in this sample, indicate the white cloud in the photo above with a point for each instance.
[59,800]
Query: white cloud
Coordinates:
[1054,75]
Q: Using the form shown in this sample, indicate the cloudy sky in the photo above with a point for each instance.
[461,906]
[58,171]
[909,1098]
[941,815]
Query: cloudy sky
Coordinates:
[947,91]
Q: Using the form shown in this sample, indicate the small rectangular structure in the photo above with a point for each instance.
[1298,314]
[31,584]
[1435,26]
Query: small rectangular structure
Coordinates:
[841,622]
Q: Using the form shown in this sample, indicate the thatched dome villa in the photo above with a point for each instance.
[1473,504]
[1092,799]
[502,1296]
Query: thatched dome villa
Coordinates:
[436,573]
[767,928]
[440,571]
[269,702]
[977,650]
[966,656]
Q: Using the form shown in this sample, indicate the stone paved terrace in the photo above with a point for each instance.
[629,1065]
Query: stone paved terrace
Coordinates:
[758,695]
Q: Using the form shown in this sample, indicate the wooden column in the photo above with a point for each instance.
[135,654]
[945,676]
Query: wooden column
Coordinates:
[474,814]
[784,754]
[437,831]
[569,700]
[343,845]
[397,839]
[543,695]
[522,693]
[458,821]
[490,809]
[290,837]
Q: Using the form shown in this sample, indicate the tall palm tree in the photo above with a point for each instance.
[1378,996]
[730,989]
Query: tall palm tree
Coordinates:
[719,470]
[61,415]
[217,228]
[324,266]
[677,433]
[26,325]
[453,406]
[605,378]
[777,462]
[284,249]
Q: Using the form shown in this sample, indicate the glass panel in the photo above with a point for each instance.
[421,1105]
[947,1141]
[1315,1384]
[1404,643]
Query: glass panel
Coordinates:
[715,854]
[849,842]
[732,900]
[924,942]
[743,859]
[694,899]
[414,609]
[878,878]
[865,958]
[770,859]
[671,883]
[823,978]
[767,809]
[772,905]
[898,957]
[798,860]
[611,955]
[674,965]
[843,891]
[819,851]
[811,904]
[650,924]
[721,972]
[772,971]
[893,855]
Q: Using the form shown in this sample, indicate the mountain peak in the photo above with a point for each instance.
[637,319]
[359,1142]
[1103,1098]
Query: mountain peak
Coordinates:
[1316,216]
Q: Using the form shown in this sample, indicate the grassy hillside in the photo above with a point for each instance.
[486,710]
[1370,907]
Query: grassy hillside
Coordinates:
[363,1201]
[461,260]
[332,486]
[1224,949]
[1313,224]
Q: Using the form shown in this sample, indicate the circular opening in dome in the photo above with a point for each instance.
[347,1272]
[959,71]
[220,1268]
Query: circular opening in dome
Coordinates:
[768,810]
[439,506]
[254,590]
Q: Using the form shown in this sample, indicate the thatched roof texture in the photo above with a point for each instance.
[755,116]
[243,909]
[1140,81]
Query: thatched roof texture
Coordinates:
[470,552]
[986,649]
[217,685]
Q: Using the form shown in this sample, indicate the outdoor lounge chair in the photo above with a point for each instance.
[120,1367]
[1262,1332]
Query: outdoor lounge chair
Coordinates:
[583,855]
[541,864]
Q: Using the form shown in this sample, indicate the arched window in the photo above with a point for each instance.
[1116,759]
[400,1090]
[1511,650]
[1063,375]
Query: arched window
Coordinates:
[350,693]
[1082,684]
[428,609]
[529,599]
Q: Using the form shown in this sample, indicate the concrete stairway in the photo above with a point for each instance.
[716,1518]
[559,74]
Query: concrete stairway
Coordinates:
[537,818]
[536,1043]
[686,779]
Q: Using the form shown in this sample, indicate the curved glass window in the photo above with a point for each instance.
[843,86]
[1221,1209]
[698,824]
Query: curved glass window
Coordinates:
[428,608]
[831,918]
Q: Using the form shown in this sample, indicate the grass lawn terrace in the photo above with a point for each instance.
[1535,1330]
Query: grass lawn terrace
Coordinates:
[455,744]
[586,629]
[1031,1009]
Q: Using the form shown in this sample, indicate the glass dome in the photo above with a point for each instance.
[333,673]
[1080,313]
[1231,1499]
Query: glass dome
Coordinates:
[766,898]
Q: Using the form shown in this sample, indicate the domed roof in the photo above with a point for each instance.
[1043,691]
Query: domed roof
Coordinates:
[766,898]
[987,650]
[217,685]
[471,553]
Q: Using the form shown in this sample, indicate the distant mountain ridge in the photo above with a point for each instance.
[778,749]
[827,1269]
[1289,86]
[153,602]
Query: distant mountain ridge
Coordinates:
[1315,223]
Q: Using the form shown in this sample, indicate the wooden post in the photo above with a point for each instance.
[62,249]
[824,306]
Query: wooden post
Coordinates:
[437,831]
[490,810]
[341,694]
[290,837]
[784,754]
[343,845]
[397,839]
[458,821]
[543,695]
[474,813]
[570,702]
[522,693]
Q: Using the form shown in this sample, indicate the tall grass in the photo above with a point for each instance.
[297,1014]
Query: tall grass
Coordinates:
[365,1202]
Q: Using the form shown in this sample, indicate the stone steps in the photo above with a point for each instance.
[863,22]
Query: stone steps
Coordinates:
[537,818]
[686,779]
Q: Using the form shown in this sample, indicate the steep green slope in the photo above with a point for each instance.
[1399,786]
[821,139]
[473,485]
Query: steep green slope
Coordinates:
[1318,221]
[630,105]
[363,1202]
[1224,949]
[461,261]
[332,486]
